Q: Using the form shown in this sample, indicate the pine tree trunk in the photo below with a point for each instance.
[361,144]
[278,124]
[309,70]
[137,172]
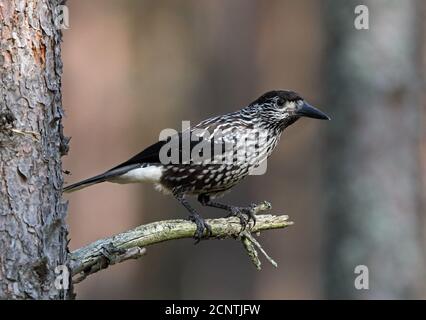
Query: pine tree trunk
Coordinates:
[33,231]
[372,150]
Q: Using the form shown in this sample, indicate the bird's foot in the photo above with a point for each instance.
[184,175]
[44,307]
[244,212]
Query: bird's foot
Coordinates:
[245,214]
[203,229]
[251,213]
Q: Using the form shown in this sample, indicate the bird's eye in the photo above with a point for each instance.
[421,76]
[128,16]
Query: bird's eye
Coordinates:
[280,102]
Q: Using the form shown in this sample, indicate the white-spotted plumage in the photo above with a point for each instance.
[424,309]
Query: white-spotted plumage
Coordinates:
[253,133]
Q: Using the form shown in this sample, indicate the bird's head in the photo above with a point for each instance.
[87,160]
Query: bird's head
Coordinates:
[282,108]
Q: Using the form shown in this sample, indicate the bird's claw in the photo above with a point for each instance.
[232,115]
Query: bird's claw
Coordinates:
[245,214]
[250,212]
[237,212]
[203,229]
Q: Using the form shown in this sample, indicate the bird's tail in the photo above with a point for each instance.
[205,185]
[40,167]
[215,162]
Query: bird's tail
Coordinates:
[106,176]
[85,183]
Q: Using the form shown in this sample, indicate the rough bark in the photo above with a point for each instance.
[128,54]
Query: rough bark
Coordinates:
[33,231]
[372,150]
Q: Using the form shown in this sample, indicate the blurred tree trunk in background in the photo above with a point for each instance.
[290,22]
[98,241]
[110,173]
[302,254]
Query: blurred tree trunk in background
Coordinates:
[372,158]
[33,232]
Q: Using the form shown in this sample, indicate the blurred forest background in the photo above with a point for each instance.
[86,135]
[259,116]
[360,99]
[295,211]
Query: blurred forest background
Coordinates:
[354,186]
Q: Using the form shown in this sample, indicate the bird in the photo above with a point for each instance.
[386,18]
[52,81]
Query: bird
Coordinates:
[210,158]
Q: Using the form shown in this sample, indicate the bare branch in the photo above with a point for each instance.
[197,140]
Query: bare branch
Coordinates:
[131,244]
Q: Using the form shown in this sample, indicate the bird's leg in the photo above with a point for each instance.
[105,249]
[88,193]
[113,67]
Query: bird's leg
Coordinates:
[233,210]
[196,218]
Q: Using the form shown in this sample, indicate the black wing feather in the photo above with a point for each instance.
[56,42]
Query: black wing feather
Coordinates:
[149,155]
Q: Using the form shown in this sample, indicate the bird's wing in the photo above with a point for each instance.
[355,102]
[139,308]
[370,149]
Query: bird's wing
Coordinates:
[148,155]
[152,153]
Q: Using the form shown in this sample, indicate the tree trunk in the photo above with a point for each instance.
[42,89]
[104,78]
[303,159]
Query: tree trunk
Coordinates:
[33,231]
[372,150]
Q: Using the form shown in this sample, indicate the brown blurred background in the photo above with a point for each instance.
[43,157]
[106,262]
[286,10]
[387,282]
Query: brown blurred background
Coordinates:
[353,186]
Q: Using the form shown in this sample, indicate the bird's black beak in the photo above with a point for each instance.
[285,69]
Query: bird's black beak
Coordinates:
[306,110]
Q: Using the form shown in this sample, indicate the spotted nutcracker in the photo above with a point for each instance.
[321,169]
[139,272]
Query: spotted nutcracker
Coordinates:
[210,158]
